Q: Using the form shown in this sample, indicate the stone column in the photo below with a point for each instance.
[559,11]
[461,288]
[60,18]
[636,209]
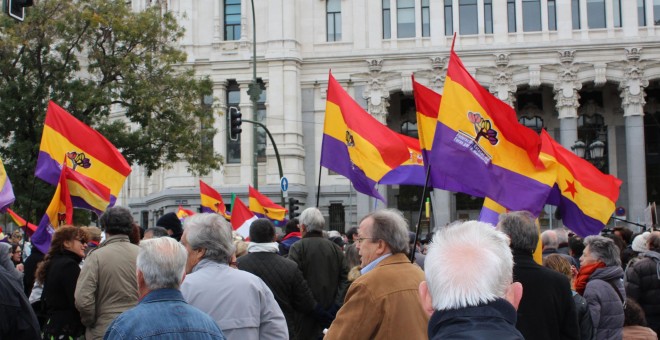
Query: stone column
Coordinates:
[220,124]
[566,97]
[632,100]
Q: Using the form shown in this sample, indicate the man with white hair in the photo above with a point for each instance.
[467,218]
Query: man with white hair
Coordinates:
[469,288]
[240,303]
[324,268]
[383,302]
[162,311]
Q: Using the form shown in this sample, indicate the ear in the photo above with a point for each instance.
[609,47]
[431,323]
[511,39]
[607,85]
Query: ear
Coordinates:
[140,279]
[425,297]
[514,294]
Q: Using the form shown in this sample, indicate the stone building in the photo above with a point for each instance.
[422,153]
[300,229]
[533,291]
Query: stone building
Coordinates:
[586,70]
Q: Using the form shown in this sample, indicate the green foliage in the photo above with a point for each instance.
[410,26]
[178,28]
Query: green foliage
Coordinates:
[118,71]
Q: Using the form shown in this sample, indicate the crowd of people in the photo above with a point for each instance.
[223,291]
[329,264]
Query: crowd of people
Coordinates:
[199,280]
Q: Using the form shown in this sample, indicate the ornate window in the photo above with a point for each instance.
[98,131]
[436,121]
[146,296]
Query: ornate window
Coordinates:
[333,20]
[232,19]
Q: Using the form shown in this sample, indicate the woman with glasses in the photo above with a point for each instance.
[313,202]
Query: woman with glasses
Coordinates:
[58,273]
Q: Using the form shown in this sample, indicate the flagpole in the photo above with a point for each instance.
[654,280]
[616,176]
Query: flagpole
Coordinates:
[318,187]
[421,210]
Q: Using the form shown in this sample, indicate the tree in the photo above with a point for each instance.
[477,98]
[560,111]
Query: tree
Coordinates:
[118,71]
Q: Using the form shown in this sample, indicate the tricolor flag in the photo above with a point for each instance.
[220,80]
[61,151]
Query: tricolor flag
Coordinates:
[212,200]
[479,147]
[86,193]
[410,172]
[585,196]
[264,207]
[29,228]
[427,105]
[59,211]
[86,151]
[182,214]
[355,144]
[6,192]
[241,218]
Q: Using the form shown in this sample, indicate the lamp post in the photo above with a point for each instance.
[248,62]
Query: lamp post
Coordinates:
[594,152]
[254,91]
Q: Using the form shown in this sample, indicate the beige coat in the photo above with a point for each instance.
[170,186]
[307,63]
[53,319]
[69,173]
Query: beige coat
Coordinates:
[107,285]
[383,304]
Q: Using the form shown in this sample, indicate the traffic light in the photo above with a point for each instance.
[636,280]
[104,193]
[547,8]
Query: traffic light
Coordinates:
[234,123]
[293,206]
[16,8]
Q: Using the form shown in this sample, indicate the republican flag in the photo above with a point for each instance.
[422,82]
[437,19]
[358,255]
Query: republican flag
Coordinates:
[7,192]
[479,147]
[241,218]
[86,193]
[182,214]
[355,144]
[86,151]
[585,196]
[29,228]
[410,172]
[59,211]
[427,104]
[264,207]
[212,200]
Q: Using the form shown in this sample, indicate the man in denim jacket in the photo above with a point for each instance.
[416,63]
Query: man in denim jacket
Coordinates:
[162,311]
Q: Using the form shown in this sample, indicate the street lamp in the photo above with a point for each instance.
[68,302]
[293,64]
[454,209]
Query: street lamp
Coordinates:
[594,152]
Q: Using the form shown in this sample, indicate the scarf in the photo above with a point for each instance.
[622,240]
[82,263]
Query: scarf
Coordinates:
[584,274]
[271,247]
[293,234]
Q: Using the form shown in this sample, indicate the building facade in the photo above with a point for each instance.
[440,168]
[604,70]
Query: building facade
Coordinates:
[586,70]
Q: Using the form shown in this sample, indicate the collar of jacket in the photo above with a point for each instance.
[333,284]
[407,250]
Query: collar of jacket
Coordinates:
[164,294]
[313,233]
[68,253]
[208,263]
[499,308]
[114,239]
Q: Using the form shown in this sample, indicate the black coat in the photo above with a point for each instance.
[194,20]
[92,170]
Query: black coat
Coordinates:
[30,268]
[285,280]
[58,295]
[494,320]
[643,285]
[17,320]
[546,310]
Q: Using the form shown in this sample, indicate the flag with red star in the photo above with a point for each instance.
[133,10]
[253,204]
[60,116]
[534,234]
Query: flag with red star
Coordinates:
[585,196]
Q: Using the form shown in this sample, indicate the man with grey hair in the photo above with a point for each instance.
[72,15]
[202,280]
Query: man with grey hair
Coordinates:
[550,243]
[469,289]
[107,285]
[240,303]
[389,285]
[324,268]
[162,311]
[546,310]
[155,232]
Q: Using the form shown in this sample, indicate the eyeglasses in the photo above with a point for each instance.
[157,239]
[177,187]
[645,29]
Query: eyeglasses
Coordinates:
[360,239]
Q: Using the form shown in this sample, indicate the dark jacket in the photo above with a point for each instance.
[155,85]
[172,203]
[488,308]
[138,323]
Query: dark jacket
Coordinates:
[643,285]
[17,320]
[57,297]
[30,268]
[286,282]
[584,317]
[287,242]
[493,320]
[605,305]
[324,268]
[546,310]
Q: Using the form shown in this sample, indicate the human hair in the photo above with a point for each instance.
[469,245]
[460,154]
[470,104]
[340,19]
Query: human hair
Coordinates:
[549,239]
[576,245]
[603,249]
[157,232]
[93,232]
[633,314]
[352,255]
[390,226]
[654,241]
[468,263]
[618,241]
[135,237]
[291,226]
[625,233]
[61,235]
[562,236]
[312,219]
[521,229]
[558,263]
[211,232]
[162,262]
[117,220]
[262,231]
[351,233]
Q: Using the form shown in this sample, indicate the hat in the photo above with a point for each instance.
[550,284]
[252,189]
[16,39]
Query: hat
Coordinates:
[171,222]
[639,244]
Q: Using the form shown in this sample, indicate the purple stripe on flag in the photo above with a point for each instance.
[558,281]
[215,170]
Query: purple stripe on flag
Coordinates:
[6,196]
[48,169]
[335,157]
[206,209]
[462,168]
[574,219]
[43,235]
[406,175]
[489,216]
[79,202]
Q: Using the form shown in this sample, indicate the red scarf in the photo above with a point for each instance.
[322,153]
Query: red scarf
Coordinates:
[584,274]
[293,234]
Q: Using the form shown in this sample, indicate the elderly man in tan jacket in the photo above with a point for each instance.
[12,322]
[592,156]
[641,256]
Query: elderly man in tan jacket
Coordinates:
[107,285]
[383,302]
